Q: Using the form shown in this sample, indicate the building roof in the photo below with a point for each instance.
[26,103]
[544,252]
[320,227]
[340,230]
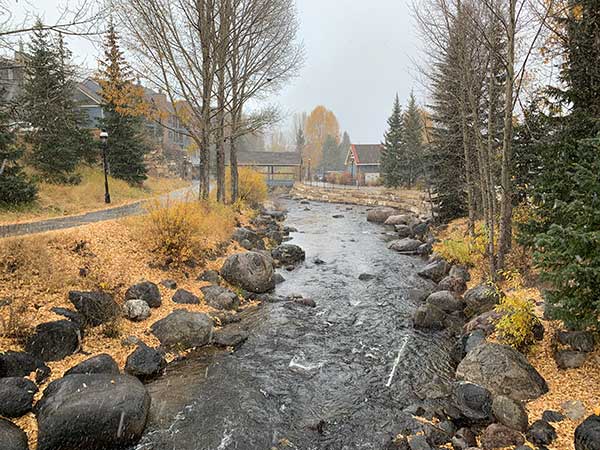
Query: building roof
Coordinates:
[246,158]
[365,154]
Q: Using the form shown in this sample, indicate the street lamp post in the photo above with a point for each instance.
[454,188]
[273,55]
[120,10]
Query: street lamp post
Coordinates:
[309,178]
[104,141]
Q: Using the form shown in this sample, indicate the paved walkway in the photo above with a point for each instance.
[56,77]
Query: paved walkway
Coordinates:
[60,223]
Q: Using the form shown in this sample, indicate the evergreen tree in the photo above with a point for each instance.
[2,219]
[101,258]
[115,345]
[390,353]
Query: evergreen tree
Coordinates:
[15,187]
[391,156]
[123,114]
[564,230]
[413,143]
[330,154]
[343,151]
[300,140]
[57,138]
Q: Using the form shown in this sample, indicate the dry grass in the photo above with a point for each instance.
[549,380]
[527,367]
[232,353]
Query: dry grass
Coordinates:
[37,272]
[63,200]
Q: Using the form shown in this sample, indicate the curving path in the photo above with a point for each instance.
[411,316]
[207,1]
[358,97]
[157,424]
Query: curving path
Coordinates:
[60,223]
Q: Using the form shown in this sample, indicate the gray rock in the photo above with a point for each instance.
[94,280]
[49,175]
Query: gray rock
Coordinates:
[53,341]
[425,249]
[288,254]
[12,437]
[500,436]
[541,433]
[552,416]
[184,297]
[568,359]
[446,301]
[102,363]
[92,412]
[473,401]
[145,291]
[169,284]
[580,341]
[73,316]
[232,336]
[418,442]
[145,362]
[485,322]
[278,278]
[220,298]
[244,234]
[403,231]
[380,214]
[21,364]
[574,409]
[406,245]
[96,307]
[510,412]
[16,396]
[480,299]
[251,271]
[587,435]
[474,339]
[210,276]
[429,317]
[503,371]
[435,270]
[463,439]
[458,271]
[453,284]
[366,277]
[136,310]
[401,219]
[183,330]
[130,341]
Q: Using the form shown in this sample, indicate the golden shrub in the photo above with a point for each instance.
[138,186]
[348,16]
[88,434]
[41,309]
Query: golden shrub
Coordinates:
[252,187]
[185,230]
[461,248]
[517,325]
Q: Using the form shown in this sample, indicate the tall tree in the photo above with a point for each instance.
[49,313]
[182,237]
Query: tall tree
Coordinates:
[344,148]
[123,105]
[413,142]
[320,123]
[56,136]
[331,157]
[392,155]
[15,186]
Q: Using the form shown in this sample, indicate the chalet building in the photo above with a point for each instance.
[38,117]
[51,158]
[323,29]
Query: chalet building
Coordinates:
[12,73]
[364,162]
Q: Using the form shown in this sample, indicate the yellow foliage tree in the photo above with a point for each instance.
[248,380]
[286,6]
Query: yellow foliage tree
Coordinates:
[320,123]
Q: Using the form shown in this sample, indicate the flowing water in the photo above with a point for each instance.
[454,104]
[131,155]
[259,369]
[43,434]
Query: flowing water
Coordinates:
[332,377]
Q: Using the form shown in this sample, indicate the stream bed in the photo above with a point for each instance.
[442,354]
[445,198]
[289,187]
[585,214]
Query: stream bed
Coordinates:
[337,376]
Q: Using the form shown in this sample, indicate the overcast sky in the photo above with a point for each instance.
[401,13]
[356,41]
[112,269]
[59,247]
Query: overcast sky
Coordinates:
[359,53]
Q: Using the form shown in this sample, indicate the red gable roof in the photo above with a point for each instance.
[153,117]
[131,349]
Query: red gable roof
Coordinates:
[366,154]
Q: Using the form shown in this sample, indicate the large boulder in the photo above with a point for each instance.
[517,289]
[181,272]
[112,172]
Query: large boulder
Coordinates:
[569,359]
[103,363]
[288,254]
[502,370]
[220,298]
[435,270]
[231,336]
[406,245]
[21,364]
[251,271]
[403,231]
[402,219]
[183,330]
[446,301]
[453,284]
[241,235]
[96,307]
[473,401]
[579,341]
[136,310]
[12,437]
[145,291]
[145,362]
[587,435]
[458,271]
[16,396]
[510,412]
[429,317]
[92,412]
[380,214]
[481,299]
[53,341]
[541,433]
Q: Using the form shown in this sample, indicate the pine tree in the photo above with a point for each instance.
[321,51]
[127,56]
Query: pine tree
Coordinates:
[123,109]
[413,143]
[300,140]
[15,186]
[343,151]
[391,156]
[57,138]
[564,232]
[330,154]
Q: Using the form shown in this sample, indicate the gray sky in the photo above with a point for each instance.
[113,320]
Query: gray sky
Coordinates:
[359,53]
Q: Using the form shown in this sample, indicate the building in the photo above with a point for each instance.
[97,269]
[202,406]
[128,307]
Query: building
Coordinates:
[12,74]
[364,162]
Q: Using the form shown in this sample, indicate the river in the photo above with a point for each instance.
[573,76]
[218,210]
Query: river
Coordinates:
[337,376]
